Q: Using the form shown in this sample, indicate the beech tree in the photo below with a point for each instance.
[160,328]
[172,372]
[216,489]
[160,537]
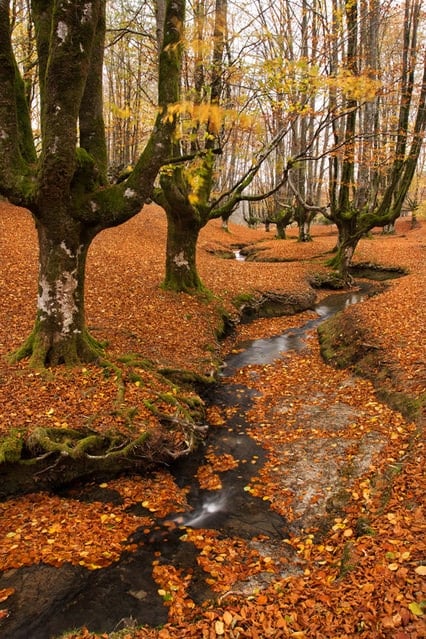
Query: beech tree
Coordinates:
[65,187]
[376,152]
[188,189]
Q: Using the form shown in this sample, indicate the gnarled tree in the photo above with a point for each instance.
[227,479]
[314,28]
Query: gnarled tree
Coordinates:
[65,187]
[375,156]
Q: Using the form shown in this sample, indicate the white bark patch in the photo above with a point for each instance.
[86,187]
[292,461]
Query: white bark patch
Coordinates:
[62,31]
[180,260]
[66,250]
[44,303]
[3,135]
[94,206]
[129,193]
[66,288]
[54,147]
[87,12]
[58,300]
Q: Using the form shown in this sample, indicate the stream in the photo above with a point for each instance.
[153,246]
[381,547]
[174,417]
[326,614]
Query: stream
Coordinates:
[51,600]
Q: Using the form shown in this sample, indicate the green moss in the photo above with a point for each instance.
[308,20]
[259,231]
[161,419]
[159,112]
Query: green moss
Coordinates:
[169,398]
[362,527]
[64,441]
[134,359]
[348,560]
[79,348]
[412,408]
[11,447]
[242,299]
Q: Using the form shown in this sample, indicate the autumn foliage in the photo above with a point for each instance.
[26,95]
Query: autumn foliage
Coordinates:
[351,562]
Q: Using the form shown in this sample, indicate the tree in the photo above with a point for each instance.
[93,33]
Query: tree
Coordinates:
[367,187]
[185,188]
[65,187]
[188,185]
[291,78]
[130,67]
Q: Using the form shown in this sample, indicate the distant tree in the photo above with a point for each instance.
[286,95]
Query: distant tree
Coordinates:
[130,87]
[65,186]
[291,75]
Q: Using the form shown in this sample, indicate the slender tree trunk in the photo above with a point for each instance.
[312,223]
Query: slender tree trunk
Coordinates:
[305,228]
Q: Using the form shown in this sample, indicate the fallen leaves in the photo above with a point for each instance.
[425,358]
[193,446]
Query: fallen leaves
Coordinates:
[351,580]
[45,528]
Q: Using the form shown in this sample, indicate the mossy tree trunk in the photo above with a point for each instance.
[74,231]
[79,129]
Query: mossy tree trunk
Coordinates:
[59,334]
[281,234]
[357,205]
[305,229]
[65,188]
[185,187]
[181,266]
[348,238]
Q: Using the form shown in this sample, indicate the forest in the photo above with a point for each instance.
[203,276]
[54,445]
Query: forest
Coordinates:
[212,372]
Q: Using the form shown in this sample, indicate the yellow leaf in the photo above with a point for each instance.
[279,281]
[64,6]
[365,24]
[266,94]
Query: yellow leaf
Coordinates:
[393,567]
[219,628]
[420,570]
[54,529]
[227,618]
[416,609]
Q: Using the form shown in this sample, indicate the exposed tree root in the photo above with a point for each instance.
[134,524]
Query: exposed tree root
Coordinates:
[53,457]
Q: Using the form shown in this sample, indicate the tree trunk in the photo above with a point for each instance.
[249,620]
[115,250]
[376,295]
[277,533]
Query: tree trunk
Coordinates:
[59,334]
[389,229]
[281,224]
[305,230]
[181,267]
[347,243]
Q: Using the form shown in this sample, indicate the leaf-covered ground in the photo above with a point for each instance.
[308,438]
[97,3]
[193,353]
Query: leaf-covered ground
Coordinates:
[355,569]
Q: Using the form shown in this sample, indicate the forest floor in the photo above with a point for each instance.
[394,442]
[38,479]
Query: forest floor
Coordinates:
[361,574]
